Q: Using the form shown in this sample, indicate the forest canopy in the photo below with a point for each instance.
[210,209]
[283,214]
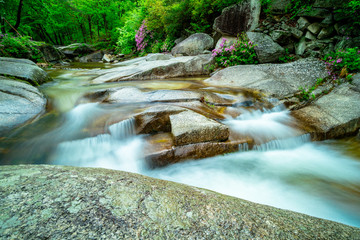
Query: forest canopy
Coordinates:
[115,24]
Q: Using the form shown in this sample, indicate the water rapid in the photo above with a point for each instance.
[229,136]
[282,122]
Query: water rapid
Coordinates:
[284,169]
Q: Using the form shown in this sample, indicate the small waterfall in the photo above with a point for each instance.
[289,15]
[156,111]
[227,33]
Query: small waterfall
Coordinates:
[264,126]
[123,129]
[243,147]
[279,144]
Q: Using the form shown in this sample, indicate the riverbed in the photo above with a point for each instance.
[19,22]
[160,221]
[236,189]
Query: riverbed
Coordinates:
[321,179]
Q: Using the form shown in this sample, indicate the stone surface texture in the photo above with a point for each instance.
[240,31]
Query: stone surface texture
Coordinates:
[19,103]
[238,18]
[276,80]
[190,127]
[93,57]
[266,49]
[143,69]
[57,202]
[334,115]
[194,45]
[23,69]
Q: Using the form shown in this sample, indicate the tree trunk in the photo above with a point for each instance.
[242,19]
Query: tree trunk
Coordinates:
[2,24]
[98,29]
[43,31]
[83,31]
[105,25]
[90,31]
[18,19]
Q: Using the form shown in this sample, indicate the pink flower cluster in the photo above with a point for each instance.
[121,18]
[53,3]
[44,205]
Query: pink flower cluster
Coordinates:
[140,36]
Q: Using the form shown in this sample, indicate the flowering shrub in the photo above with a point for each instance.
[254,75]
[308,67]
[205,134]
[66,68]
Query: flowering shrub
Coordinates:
[349,59]
[142,37]
[241,52]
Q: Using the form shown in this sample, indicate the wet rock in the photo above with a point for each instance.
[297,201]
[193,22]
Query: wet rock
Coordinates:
[303,23]
[300,47]
[50,53]
[19,103]
[277,80]
[296,33]
[156,119]
[58,202]
[334,115]
[326,32]
[279,6]
[238,18]
[76,49]
[93,57]
[107,58]
[266,49]
[141,69]
[190,127]
[23,69]
[193,151]
[310,36]
[132,94]
[314,28]
[158,56]
[194,45]
[280,36]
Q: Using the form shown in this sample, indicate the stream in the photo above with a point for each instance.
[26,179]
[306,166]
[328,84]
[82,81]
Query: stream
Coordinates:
[288,171]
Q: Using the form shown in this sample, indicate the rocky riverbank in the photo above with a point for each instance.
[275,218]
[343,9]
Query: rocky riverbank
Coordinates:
[58,202]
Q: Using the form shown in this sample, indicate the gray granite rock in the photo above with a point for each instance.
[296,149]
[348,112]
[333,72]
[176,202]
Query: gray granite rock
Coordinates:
[23,69]
[93,57]
[276,80]
[326,32]
[57,202]
[194,45]
[303,23]
[334,115]
[300,47]
[189,127]
[238,18]
[149,68]
[19,103]
[266,49]
[314,28]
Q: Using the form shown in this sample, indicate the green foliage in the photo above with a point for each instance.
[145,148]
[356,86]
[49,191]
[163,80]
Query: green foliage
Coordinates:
[241,52]
[19,47]
[287,57]
[348,58]
[351,10]
[306,93]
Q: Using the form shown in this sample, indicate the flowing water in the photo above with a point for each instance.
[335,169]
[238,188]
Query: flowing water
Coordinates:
[285,169]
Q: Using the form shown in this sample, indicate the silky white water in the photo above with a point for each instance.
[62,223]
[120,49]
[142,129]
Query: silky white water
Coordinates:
[285,169]
[288,172]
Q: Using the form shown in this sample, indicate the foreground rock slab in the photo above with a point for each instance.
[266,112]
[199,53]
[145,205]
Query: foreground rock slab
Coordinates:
[275,80]
[56,202]
[23,69]
[19,102]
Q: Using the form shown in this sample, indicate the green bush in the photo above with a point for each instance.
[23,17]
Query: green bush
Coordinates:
[19,47]
[348,59]
[241,52]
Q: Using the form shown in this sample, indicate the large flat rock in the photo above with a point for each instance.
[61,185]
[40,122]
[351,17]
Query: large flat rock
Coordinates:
[334,115]
[23,69]
[189,127]
[57,202]
[147,68]
[19,102]
[276,80]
